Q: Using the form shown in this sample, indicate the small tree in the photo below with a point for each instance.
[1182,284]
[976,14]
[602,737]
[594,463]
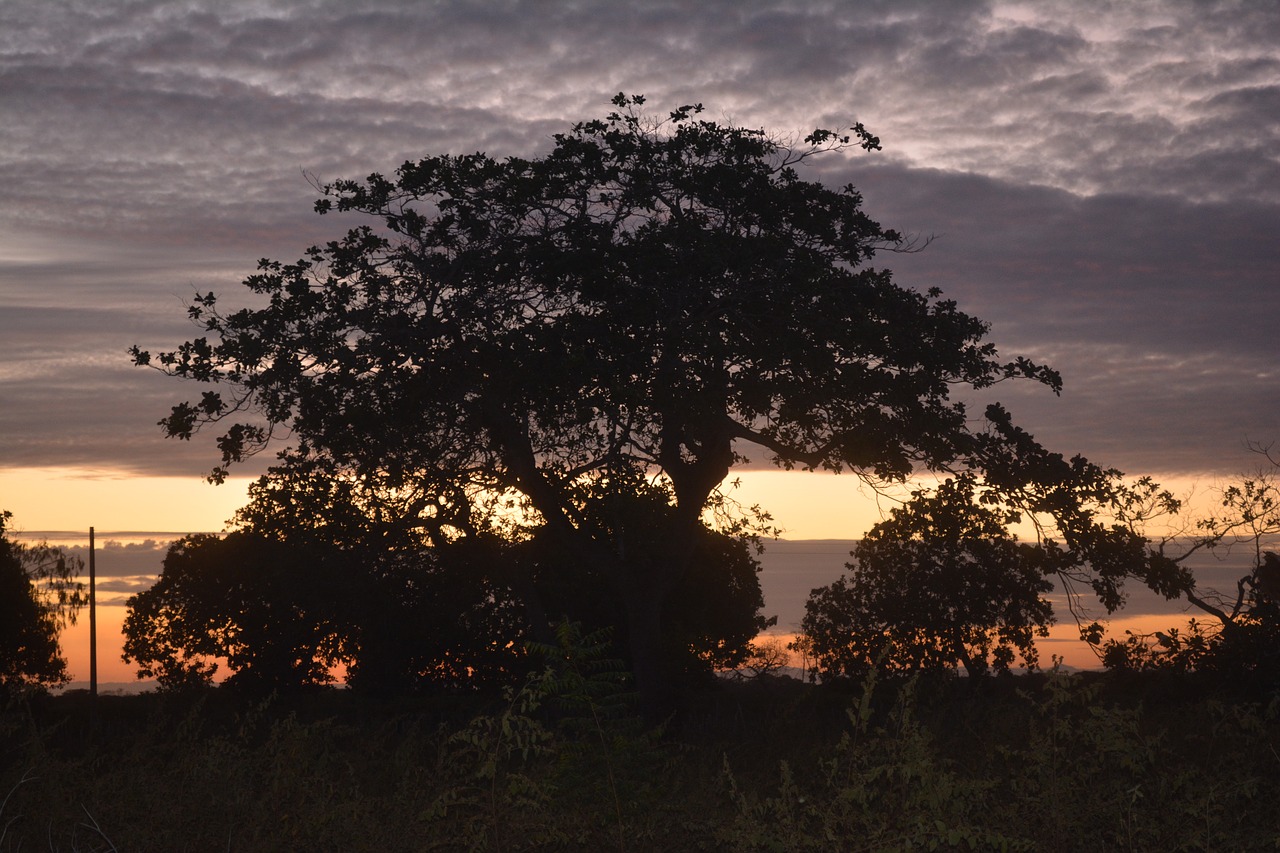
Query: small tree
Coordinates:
[765,657]
[255,604]
[423,607]
[282,613]
[39,596]
[940,583]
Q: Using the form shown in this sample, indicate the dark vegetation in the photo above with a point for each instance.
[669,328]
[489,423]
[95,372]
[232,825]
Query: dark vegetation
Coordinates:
[39,594]
[1048,762]
[512,402]
[941,582]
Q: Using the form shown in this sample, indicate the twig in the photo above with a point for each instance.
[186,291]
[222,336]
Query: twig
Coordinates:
[93,824]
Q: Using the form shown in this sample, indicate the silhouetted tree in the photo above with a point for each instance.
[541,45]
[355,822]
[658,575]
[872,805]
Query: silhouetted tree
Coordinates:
[39,595]
[256,605]
[940,583]
[710,618]
[424,609]
[429,599]
[1240,631]
[643,301]
[282,614]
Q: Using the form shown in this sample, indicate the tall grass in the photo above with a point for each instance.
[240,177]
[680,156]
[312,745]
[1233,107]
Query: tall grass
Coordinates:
[1054,763]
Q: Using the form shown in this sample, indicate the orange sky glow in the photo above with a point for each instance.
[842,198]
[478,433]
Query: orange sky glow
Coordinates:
[61,504]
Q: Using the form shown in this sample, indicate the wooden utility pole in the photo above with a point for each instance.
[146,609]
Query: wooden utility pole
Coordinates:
[93,621]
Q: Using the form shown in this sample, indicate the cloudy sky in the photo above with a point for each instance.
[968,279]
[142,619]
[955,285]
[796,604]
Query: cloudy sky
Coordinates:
[1101,180]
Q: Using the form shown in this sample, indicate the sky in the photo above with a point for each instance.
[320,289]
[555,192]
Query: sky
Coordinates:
[1100,181]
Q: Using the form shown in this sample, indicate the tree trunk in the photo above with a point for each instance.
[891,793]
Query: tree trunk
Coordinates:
[651,666]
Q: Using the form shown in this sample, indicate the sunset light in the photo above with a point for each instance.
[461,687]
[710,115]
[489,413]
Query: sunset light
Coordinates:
[677,425]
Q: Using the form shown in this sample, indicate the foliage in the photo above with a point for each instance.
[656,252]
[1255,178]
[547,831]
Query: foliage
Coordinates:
[1250,515]
[314,577]
[423,609]
[712,615]
[765,657]
[884,785]
[1095,519]
[1039,762]
[281,614]
[1247,644]
[940,583]
[484,767]
[39,596]
[581,677]
[638,303]
[252,602]
[943,583]
[490,765]
[1240,634]
[1093,758]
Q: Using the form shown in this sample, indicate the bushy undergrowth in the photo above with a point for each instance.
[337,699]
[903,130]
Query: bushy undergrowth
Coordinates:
[1053,763]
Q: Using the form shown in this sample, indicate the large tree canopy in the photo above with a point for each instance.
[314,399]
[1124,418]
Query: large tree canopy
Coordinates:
[648,299]
[644,293]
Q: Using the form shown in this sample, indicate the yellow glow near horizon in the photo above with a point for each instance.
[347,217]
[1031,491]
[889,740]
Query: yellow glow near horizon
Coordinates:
[1063,641]
[809,505]
[74,499]
[812,505]
[805,505]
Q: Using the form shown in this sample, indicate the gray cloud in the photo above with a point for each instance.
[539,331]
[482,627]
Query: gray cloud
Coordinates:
[1102,177]
[119,565]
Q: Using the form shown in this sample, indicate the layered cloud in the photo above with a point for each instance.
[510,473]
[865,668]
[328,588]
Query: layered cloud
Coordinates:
[1102,179]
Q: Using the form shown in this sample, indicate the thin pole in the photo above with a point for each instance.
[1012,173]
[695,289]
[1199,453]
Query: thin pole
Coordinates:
[93,621]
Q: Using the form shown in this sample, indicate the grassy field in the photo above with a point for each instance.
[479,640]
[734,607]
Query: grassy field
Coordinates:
[1041,762]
